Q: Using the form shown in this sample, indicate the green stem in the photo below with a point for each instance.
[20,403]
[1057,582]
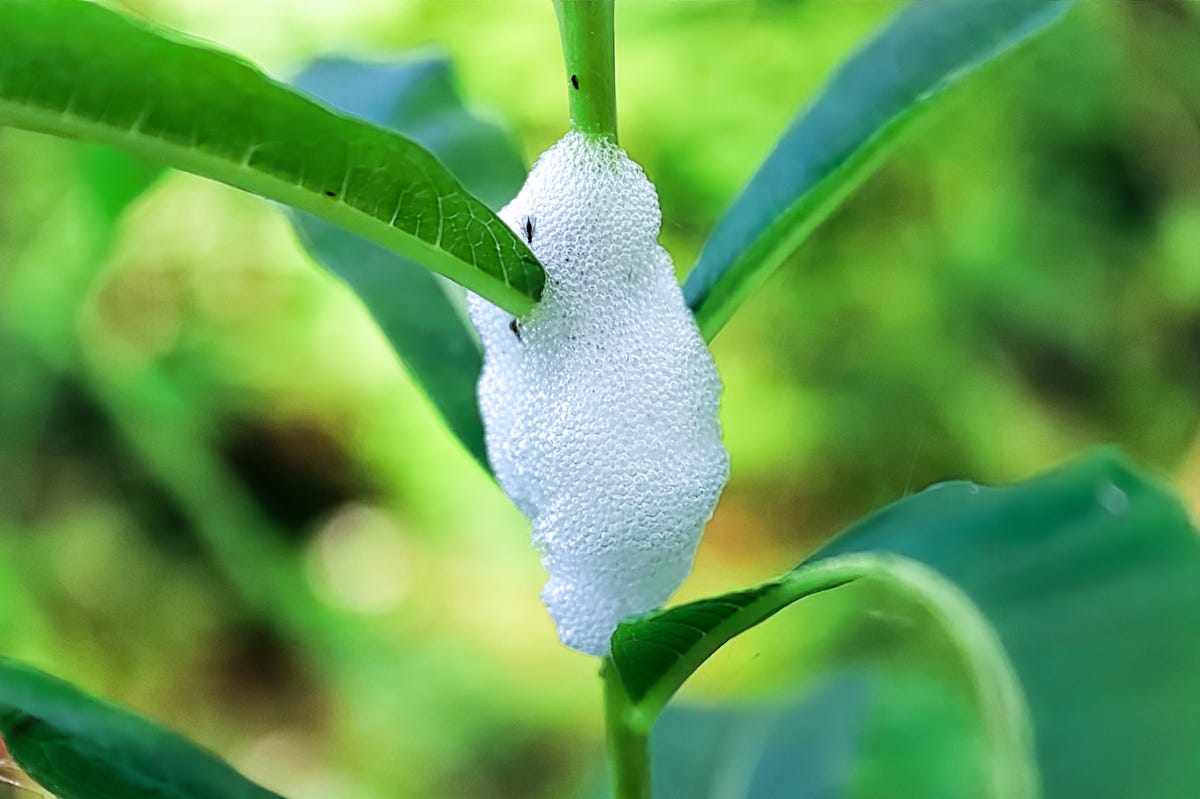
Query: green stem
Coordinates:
[628,740]
[587,39]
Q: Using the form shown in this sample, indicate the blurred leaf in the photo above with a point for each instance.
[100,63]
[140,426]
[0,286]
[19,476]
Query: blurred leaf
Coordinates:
[759,750]
[75,223]
[114,179]
[76,69]
[82,748]
[1074,600]
[837,142]
[71,226]
[425,326]
[852,734]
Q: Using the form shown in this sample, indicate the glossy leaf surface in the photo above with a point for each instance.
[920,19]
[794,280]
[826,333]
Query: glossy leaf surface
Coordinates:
[82,748]
[834,144]
[424,324]
[1074,600]
[77,69]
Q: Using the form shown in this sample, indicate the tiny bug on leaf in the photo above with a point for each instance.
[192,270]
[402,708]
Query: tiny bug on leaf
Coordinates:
[515,327]
[529,229]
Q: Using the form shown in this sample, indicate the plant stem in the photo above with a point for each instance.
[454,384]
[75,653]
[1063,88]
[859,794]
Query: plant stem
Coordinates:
[586,27]
[628,740]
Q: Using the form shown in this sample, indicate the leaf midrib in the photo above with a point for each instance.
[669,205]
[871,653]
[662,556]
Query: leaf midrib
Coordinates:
[194,158]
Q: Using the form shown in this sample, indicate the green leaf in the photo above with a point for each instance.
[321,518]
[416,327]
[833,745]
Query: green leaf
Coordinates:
[115,180]
[418,98]
[835,144]
[852,734]
[75,69]
[766,751]
[1073,601]
[426,326]
[82,748]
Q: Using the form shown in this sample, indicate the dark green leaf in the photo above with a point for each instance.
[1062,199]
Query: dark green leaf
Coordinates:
[837,142]
[1074,600]
[425,325]
[82,748]
[76,69]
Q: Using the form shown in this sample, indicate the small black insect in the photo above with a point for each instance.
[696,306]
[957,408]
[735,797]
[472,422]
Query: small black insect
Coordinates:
[330,193]
[575,81]
[529,229]
[515,327]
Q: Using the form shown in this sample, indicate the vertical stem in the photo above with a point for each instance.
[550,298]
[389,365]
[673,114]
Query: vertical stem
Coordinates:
[628,740]
[586,27]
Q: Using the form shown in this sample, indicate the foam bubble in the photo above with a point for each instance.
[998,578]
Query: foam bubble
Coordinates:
[601,409]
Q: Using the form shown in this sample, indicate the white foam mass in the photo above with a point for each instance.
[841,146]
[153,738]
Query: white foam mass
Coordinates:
[601,409]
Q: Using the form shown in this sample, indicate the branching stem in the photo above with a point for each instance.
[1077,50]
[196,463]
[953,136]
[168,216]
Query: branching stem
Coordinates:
[586,27]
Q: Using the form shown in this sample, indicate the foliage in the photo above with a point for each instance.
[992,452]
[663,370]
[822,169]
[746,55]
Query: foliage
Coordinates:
[427,328]
[834,145]
[77,746]
[77,69]
[1007,575]
[1017,591]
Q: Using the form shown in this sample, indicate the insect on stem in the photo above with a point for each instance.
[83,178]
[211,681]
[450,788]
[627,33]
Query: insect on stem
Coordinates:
[586,27]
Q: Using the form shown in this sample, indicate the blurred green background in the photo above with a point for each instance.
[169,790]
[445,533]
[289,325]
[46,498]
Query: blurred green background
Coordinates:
[223,503]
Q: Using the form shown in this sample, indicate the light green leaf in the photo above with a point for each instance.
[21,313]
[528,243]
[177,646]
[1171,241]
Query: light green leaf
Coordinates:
[1073,601]
[76,69]
[82,748]
[425,325]
[835,144]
